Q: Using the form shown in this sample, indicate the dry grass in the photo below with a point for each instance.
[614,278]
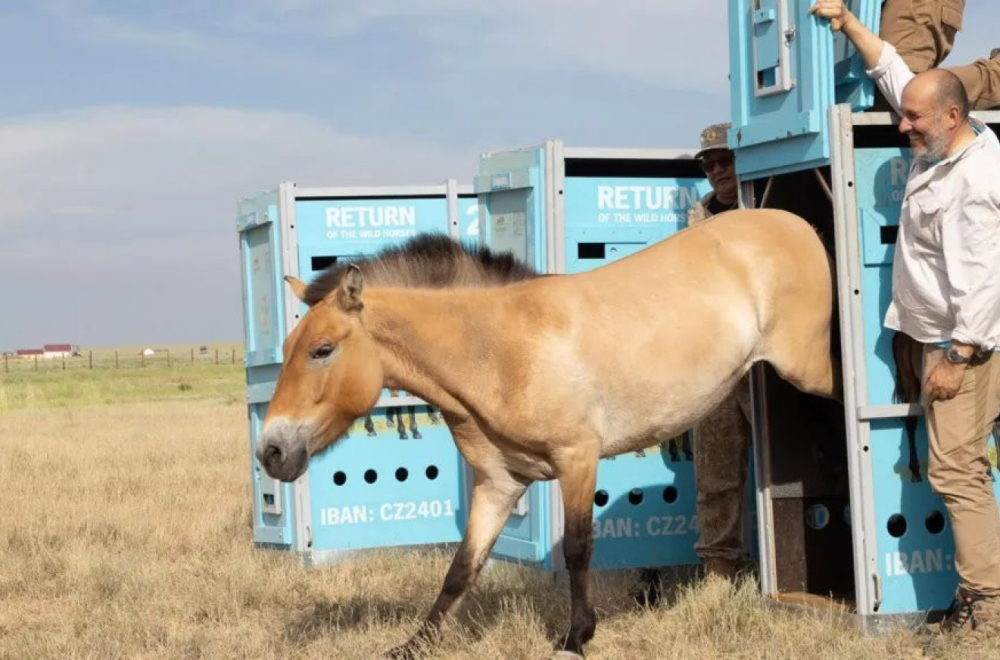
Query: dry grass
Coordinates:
[124,533]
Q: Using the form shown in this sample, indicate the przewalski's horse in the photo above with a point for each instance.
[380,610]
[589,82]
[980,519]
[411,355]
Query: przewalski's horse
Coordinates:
[538,379]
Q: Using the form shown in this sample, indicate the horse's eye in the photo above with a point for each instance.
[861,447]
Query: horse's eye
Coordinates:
[322,351]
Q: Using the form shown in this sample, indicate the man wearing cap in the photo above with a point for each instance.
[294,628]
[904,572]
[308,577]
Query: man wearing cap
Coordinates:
[717,163]
[722,439]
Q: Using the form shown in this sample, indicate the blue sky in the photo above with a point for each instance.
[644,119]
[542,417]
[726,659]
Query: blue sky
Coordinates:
[129,130]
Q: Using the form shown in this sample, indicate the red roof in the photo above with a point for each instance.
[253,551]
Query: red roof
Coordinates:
[58,348]
[29,351]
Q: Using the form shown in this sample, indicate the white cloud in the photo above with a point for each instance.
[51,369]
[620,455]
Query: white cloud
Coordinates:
[678,44]
[665,45]
[671,44]
[198,39]
[126,215]
[83,211]
[171,162]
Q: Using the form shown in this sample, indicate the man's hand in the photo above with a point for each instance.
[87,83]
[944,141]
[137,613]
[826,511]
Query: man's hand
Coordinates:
[835,10]
[943,381]
[868,43]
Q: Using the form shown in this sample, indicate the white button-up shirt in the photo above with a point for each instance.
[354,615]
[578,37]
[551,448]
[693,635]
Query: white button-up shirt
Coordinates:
[946,270]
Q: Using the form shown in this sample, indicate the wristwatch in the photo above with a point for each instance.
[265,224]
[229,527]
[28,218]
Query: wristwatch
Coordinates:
[954,357]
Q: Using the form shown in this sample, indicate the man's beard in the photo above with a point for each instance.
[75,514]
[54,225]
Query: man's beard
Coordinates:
[935,146]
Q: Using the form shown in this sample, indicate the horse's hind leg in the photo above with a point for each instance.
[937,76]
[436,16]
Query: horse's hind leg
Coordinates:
[799,349]
[577,480]
[493,498]
[813,372]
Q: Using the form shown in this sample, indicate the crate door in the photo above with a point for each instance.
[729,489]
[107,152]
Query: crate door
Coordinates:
[264,330]
[512,215]
[781,86]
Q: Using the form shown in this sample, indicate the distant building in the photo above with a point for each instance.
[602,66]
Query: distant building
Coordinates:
[29,353]
[52,351]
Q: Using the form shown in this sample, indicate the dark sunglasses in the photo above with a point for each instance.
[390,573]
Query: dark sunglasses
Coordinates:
[709,164]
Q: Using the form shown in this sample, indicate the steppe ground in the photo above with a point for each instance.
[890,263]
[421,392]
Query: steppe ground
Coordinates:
[125,533]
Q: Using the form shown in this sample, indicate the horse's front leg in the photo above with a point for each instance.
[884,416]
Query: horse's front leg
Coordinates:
[394,415]
[577,480]
[493,498]
[413,423]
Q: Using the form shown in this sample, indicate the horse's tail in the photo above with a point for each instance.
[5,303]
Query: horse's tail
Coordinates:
[907,388]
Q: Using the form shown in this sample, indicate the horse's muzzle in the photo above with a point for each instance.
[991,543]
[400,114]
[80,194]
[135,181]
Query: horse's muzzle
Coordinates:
[282,450]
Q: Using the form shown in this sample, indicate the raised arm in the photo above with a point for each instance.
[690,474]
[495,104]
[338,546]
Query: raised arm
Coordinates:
[868,44]
[881,60]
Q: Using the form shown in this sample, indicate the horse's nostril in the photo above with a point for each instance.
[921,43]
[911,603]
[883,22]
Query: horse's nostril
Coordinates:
[272,455]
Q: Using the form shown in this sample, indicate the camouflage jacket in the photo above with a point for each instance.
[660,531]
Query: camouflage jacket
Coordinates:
[699,211]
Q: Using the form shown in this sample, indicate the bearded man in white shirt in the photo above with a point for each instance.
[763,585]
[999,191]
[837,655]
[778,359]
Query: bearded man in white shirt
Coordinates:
[946,296]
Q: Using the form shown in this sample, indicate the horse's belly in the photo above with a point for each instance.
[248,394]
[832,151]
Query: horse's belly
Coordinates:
[626,444]
[637,426]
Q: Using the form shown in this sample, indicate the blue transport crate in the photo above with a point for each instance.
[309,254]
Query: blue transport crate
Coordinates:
[845,507]
[847,512]
[569,210]
[397,478]
[906,556]
[786,69]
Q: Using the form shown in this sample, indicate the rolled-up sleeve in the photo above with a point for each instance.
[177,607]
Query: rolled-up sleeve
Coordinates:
[891,75]
[970,236]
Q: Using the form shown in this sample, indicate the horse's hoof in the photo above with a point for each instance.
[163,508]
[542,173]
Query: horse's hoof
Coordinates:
[417,436]
[567,655]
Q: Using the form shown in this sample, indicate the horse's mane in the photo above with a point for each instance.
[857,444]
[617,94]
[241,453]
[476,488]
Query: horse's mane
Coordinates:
[432,261]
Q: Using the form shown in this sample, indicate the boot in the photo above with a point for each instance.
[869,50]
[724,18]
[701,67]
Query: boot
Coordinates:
[646,592]
[719,568]
[971,617]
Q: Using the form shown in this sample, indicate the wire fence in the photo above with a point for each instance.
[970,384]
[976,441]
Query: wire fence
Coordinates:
[91,360]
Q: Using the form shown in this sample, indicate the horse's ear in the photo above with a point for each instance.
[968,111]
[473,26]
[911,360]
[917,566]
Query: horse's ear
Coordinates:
[298,287]
[348,296]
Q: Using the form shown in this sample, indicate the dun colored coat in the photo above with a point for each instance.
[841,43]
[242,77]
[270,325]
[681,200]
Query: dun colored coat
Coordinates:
[539,377]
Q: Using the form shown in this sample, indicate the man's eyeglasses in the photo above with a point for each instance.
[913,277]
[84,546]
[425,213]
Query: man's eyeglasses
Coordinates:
[709,164]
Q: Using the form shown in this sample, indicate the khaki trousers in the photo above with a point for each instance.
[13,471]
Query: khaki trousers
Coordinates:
[721,443]
[981,80]
[923,32]
[959,468]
